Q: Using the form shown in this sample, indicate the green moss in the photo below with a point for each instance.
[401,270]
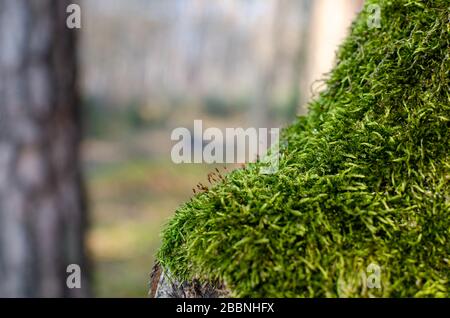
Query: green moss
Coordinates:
[363,178]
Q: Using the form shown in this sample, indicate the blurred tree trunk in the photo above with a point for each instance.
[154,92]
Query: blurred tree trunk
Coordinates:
[42,206]
[329,24]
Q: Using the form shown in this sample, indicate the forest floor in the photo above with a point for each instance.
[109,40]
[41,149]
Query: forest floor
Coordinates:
[131,195]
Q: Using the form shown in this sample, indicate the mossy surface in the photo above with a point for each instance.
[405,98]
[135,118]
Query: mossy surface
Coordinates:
[363,178]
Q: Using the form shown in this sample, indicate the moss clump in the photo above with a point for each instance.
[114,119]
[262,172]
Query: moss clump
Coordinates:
[363,178]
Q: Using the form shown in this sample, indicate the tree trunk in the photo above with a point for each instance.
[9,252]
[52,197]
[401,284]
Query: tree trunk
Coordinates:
[42,206]
[162,285]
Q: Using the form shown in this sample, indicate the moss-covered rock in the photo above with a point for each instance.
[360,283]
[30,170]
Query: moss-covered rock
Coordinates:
[363,178]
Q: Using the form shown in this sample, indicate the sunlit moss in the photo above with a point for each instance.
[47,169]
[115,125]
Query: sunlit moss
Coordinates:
[363,178]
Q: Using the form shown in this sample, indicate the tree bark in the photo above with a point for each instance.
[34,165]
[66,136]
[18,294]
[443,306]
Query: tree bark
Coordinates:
[42,205]
[163,285]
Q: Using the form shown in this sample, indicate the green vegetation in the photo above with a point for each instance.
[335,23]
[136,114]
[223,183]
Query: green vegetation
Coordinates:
[110,121]
[218,106]
[363,178]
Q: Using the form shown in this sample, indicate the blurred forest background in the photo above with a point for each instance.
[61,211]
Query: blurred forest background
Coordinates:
[149,66]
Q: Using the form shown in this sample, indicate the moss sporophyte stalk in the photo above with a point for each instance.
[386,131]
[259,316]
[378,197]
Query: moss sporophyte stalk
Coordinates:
[363,179]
